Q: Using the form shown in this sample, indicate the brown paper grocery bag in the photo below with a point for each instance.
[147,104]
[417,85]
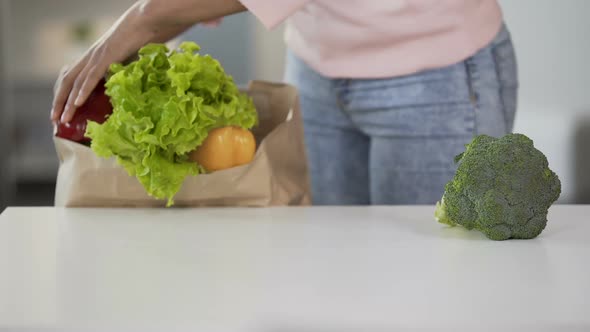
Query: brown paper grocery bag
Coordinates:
[278,175]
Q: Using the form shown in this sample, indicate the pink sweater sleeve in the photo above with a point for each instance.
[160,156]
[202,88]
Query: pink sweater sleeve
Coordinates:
[273,12]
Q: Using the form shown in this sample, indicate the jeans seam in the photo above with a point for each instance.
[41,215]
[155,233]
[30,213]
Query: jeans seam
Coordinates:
[471,70]
[501,93]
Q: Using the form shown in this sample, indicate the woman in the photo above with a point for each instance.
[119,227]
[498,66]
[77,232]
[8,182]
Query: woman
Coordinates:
[390,91]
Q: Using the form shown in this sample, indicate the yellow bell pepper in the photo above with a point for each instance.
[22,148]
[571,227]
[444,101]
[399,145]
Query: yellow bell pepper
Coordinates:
[225,147]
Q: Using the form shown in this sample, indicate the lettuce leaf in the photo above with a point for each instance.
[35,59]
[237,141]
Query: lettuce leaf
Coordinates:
[164,105]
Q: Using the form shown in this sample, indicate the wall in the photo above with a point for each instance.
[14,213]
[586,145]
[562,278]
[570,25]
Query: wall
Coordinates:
[41,48]
[553,51]
[36,49]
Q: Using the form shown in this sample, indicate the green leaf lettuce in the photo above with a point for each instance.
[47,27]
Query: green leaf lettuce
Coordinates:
[164,105]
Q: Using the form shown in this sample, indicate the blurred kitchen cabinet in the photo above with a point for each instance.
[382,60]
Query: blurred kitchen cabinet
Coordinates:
[34,158]
[6,183]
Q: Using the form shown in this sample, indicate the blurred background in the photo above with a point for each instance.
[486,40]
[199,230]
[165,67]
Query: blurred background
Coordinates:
[37,37]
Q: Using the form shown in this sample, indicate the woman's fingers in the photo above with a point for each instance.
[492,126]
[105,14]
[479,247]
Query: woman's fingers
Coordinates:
[59,95]
[64,70]
[63,87]
[98,66]
[212,23]
[77,85]
[70,107]
[94,75]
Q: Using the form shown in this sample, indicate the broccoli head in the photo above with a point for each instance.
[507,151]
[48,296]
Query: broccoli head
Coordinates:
[503,187]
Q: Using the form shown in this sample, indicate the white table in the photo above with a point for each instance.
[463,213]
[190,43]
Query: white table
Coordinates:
[287,269]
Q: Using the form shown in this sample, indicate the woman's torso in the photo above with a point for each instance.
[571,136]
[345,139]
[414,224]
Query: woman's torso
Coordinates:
[380,38]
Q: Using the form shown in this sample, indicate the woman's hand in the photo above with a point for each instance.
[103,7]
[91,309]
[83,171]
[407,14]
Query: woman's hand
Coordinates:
[146,21]
[75,83]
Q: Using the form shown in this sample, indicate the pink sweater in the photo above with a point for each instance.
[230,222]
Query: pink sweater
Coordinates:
[381,38]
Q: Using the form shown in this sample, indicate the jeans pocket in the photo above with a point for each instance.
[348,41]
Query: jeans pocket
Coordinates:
[433,103]
[434,120]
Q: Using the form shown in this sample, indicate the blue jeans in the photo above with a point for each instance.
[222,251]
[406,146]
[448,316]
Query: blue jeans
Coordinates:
[392,141]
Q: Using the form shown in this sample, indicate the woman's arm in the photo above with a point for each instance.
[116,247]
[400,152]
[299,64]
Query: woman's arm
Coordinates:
[146,21]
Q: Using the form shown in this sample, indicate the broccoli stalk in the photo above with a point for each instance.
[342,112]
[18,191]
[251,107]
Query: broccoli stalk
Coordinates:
[503,187]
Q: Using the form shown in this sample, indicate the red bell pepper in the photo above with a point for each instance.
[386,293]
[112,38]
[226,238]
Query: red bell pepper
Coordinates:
[97,108]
